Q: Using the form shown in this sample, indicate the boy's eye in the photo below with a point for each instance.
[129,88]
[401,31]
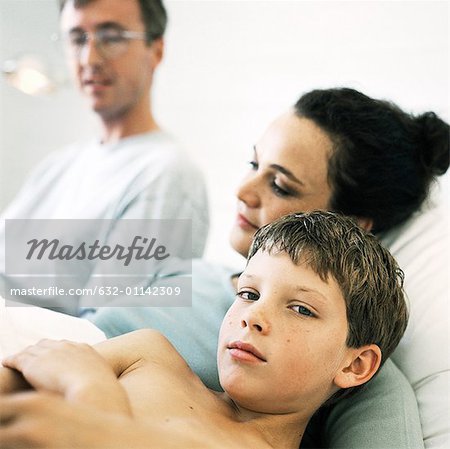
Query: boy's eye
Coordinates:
[302,310]
[248,295]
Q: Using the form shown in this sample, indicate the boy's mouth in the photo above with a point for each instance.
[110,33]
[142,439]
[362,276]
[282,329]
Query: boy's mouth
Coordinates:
[245,351]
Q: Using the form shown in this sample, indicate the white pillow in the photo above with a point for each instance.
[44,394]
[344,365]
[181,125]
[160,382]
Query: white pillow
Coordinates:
[21,326]
[421,247]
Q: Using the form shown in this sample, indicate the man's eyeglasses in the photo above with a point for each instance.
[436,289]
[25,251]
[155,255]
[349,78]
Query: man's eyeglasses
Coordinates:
[110,43]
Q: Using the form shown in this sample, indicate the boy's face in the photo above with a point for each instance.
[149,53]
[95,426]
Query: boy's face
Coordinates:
[283,339]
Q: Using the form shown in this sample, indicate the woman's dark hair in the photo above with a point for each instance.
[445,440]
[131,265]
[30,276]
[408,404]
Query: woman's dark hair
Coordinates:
[384,160]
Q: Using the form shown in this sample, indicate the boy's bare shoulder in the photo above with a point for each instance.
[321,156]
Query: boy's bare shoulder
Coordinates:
[148,348]
[150,345]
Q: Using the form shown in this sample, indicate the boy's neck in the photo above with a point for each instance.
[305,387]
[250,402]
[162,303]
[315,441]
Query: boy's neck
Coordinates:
[281,431]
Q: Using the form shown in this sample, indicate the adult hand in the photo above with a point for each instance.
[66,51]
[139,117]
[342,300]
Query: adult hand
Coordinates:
[74,370]
[34,420]
[11,381]
[60,366]
[44,420]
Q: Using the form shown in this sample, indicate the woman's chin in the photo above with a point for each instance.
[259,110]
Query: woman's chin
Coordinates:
[240,240]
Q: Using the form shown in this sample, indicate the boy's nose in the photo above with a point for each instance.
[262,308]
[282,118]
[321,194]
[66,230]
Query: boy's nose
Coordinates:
[256,320]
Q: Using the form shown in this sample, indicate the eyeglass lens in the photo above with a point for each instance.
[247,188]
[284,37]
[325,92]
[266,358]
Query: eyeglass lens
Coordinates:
[109,43]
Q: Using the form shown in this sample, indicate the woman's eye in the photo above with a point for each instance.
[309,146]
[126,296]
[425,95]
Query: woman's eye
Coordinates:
[253,165]
[248,295]
[279,190]
[302,310]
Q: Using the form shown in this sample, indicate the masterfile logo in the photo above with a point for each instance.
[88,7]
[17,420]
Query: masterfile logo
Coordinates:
[55,250]
[99,262]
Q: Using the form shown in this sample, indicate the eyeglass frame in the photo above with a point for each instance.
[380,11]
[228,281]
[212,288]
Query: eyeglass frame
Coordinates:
[125,35]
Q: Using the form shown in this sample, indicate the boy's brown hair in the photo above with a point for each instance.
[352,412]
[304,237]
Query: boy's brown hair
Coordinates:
[369,278]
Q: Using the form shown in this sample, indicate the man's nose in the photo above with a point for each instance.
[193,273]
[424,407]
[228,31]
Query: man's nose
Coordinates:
[89,53]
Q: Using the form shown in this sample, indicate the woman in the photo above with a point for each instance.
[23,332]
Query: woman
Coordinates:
[339,150]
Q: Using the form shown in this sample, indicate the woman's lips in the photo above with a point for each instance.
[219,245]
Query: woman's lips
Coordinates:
[245,352]
[243,223]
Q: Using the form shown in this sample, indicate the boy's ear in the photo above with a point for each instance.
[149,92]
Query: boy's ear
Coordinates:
[364,363]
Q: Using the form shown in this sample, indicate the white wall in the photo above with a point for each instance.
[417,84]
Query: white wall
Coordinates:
[230,68]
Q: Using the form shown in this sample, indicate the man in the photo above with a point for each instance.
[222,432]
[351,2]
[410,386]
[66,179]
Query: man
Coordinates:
[134,170]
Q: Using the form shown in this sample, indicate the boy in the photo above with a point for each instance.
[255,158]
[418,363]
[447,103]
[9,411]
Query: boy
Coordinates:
[318,309]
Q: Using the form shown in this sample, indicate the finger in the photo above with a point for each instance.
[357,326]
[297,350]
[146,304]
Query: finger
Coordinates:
[12,437]
[11,361]
[32,349]
[20,360]
[48,343]
[29,352]
[25,403]
[12,404]
[37,349]
[14,420]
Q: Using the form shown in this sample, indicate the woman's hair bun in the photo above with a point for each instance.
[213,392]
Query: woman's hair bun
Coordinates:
[434,147]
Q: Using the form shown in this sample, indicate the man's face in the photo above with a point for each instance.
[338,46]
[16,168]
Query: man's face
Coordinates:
[114,86]
[282,341]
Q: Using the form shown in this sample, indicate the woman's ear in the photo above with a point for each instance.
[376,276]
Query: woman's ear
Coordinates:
[365,223]
[364,363]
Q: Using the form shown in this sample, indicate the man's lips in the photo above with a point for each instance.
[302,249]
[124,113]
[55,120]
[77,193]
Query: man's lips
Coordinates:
[245,352]
[244,223]
[96,83]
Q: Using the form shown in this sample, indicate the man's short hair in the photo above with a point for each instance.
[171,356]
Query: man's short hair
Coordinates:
[153,13]
[369,278]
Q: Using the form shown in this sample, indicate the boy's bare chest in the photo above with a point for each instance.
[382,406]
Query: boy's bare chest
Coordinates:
[162,394]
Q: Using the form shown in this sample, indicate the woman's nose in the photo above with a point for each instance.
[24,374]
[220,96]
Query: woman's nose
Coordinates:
[249,191]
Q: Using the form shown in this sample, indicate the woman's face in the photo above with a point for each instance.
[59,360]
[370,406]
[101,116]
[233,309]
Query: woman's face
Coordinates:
[288,173]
